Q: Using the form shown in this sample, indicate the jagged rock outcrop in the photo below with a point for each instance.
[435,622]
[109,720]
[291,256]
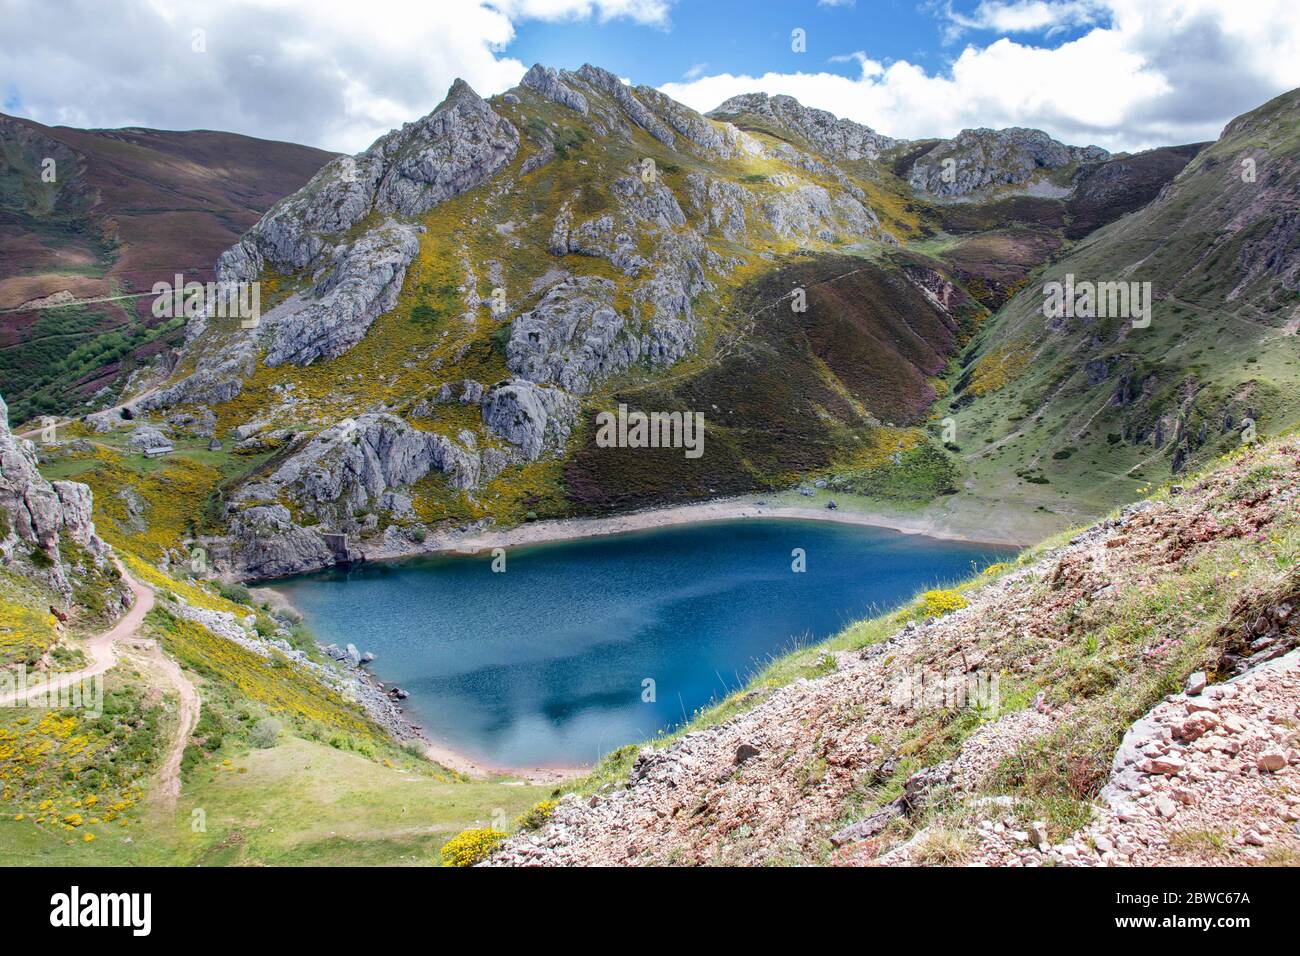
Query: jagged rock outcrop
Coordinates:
[693,126]
[406,172]
[825,132]
[458,146]
[573,338]
[264,542]
[363,282]
[534,418]
[358,465]
[796,211]
[609,84]
[37,512]
[547,82]
[983,158]
[659,115]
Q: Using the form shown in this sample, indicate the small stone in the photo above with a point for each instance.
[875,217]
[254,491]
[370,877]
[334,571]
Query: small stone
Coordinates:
[867,827]
[1271,761]
[1251,838]
[1166,807]
[1169,765]
[1233,724]
[1127,812]
[1195,684]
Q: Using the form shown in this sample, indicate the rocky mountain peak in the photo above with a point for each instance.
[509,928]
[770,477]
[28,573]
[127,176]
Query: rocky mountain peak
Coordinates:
[550,83]
[977,159]
[825,132]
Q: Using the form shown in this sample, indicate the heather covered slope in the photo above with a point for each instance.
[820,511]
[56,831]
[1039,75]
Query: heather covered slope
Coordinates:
[1074,414]
[126,208]
[962,725]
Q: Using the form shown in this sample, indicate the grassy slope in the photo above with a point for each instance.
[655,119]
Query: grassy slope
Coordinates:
[298,803]
[331,789]
[1042,435]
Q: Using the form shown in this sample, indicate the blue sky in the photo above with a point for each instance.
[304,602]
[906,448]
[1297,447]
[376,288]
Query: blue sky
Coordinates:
[737,37]
[1124,74]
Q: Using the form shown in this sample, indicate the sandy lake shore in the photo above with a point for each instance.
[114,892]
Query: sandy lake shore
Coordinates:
[722,509]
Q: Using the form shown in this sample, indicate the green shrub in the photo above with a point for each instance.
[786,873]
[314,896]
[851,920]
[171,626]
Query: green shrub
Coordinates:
[234,592]
[265,734]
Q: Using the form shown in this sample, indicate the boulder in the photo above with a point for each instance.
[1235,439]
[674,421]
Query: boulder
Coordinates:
[534,418]
[147,436]
[39,512]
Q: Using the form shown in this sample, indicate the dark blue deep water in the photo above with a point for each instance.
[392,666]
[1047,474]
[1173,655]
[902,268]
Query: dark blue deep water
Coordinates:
[543,665]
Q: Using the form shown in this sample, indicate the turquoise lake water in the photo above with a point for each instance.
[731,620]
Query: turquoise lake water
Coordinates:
[545,664]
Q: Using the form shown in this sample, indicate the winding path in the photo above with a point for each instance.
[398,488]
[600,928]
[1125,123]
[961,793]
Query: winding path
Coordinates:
[167,789]
[103,655]
[99,648]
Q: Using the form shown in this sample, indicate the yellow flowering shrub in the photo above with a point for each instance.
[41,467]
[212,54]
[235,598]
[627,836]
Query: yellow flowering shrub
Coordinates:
[68,770]
[997,368]
[274,681]
[939,603]
[170,492]
[27,628]
[471,846]
[194,593]
[536,815]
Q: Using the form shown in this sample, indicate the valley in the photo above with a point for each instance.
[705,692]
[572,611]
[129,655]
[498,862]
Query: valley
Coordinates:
[447,316]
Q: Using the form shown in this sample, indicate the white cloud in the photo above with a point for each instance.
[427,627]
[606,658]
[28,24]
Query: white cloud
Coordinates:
[331,73]
[338,73]
[654,12]
[1025,16]
[1156,74]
